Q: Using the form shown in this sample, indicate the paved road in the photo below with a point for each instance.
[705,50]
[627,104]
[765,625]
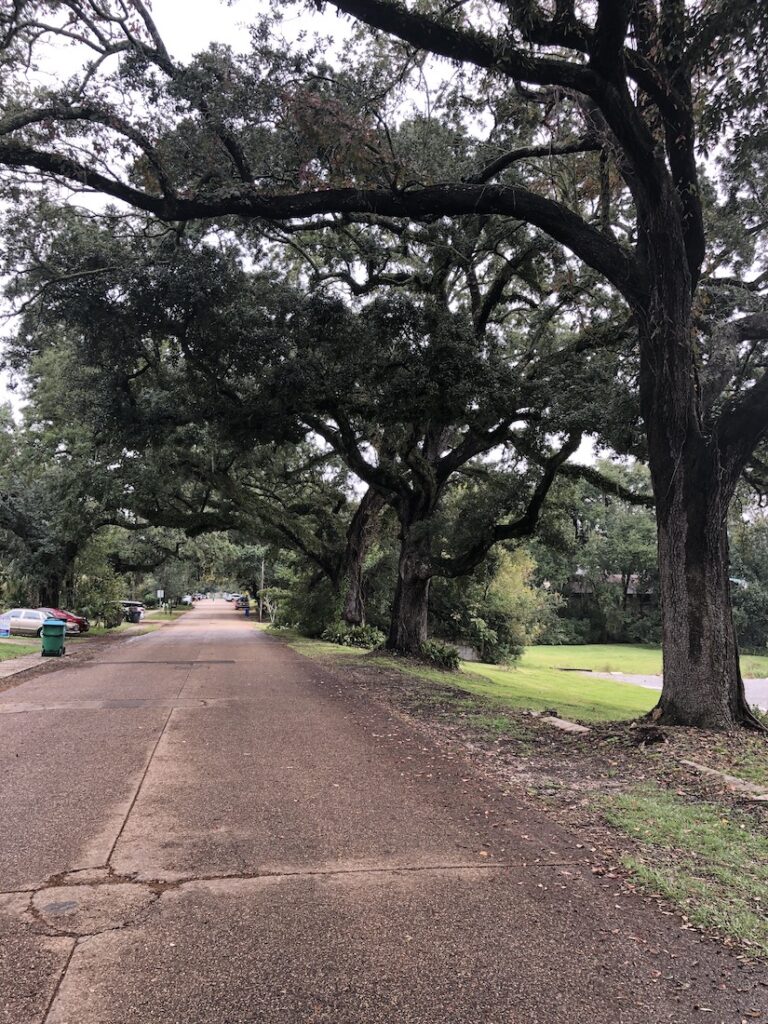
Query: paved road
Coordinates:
[756,689]
[201,826]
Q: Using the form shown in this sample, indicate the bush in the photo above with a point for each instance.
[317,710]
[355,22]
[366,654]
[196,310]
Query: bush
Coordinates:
[496,610]
[440,654]
[105,613]
[342,633]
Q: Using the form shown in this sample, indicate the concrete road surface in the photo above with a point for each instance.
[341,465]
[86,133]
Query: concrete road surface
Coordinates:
[202,826]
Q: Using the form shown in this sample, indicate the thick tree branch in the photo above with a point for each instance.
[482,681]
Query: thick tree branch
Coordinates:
[522,527]
[501,163]
[744,421]
[606,485]
[598,251]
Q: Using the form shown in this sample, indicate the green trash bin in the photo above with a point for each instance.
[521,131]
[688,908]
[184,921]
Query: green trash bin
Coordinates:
[53,634]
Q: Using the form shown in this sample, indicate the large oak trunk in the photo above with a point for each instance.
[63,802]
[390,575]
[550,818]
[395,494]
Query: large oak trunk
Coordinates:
[353,611]
[693,484]
[702,680]
[360,536]
[408,628]
[49,592]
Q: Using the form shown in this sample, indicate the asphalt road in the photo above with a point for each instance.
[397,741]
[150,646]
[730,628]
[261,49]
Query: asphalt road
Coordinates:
[756,690]
[201,826]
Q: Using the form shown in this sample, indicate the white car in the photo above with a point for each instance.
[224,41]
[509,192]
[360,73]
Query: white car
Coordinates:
[133,606]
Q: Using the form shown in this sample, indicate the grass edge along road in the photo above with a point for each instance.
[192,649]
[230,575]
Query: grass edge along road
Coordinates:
[709,860]
[537,682]
[10,649]
[630,659]
[526,686]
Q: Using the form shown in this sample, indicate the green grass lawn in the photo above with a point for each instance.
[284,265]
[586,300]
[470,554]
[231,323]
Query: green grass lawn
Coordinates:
[125,627]
[633,659]
[154,615]
[537,689]
[10,648]
[572,695]
[537,682]
[710,861]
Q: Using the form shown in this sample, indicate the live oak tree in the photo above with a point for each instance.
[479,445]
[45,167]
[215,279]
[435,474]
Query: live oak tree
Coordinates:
[54,497]
[209,371]
[658,83]
[416,408]
[144,340]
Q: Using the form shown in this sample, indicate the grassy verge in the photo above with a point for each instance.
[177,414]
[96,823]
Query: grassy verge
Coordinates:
[709,861]
[13,649]
[572,696]
[158,616]
[632,659]
[124,627]
[678,834]
[534,689]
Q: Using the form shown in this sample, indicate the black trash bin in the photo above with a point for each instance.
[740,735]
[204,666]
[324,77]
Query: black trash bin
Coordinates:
[133,615]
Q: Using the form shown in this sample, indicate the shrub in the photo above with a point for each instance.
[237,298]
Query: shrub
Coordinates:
[440,654]
[106,613]
[342,633]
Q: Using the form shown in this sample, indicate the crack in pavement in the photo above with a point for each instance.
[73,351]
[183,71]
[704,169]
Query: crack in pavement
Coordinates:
[59,981]
[79,939]
[147,768]
[160,885]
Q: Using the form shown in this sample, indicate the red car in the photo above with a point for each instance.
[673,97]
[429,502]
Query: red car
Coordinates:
[79,620]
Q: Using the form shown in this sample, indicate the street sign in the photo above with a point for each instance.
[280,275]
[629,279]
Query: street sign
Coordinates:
[160,594]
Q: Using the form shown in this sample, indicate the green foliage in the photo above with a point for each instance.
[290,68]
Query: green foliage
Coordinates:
[495,610]
[440,655]
[600,558]
[100,590]
[353,636]
[749,565]
[301,599]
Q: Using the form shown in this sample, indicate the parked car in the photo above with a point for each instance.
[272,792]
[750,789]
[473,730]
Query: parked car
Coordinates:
[133,606]
[80,620]
[27,621]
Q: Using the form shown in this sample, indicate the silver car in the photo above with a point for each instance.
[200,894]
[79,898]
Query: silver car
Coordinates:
[27,621]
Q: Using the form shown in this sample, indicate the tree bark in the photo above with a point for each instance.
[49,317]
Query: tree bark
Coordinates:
[693,483]
[49,592]
[360,536]
[408,628]
[702,679]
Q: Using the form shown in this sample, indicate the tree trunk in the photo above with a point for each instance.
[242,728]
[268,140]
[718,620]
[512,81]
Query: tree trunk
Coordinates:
[408,628]
[693,485]
[360,536]
[353,611]
[702,679]
[49,592]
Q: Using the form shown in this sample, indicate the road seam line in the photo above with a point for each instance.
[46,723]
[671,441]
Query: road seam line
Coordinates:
[138,788]
[60,982]
[145,772]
